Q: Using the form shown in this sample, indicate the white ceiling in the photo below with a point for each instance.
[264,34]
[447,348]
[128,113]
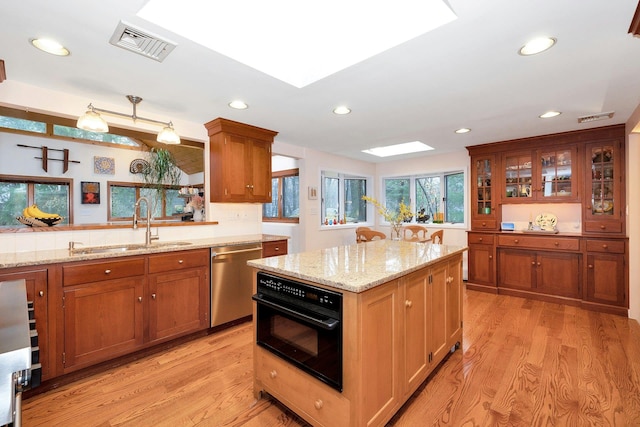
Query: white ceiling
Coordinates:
[464,74]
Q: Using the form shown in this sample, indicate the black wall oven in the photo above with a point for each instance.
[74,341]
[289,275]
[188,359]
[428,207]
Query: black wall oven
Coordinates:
[301,324]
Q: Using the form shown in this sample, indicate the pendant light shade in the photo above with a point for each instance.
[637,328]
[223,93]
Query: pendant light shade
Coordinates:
[92,121]
[168,136]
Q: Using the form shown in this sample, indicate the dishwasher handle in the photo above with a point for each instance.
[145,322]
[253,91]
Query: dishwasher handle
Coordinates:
[215,254]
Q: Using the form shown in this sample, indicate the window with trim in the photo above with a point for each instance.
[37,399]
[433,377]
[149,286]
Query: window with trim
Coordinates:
[52,195]
[165,204]
[342,198]
[285,197]
[428,195]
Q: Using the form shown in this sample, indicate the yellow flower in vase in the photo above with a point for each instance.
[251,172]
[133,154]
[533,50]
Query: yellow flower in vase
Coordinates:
[404,214]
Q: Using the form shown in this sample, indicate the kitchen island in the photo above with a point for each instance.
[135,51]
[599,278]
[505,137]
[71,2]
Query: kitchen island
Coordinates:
[400,315]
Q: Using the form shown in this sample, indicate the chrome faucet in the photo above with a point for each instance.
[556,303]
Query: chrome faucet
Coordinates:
[148,236]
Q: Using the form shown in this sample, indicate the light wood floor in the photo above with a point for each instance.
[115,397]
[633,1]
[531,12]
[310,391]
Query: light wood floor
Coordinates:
[522,363]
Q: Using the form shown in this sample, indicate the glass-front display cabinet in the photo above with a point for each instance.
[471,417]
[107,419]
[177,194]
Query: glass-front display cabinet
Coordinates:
[485,194]
[603,187]
[541,175]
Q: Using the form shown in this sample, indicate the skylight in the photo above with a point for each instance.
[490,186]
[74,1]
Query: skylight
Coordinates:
[397,149]
[298,42]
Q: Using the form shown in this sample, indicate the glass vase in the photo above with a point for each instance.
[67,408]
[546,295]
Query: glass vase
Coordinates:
[396,231]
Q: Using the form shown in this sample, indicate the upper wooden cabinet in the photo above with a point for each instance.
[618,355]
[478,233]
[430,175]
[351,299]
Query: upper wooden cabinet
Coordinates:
[484,213]
[240,162]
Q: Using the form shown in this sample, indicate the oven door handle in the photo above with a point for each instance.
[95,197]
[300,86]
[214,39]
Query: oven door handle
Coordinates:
[328,324]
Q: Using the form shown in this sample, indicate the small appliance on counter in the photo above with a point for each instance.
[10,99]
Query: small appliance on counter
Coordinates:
[507,226]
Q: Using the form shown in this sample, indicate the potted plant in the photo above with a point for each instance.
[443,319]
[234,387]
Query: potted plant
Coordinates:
[160,172]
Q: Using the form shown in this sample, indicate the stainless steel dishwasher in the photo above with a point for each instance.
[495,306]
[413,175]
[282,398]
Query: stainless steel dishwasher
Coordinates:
[231,282]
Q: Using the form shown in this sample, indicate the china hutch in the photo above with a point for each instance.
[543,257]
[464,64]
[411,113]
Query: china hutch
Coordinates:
[587,268]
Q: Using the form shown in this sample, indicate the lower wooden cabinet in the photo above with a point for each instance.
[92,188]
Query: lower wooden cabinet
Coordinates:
[481,260]
[606,273]
[165,296]
[274,248]
[36,280]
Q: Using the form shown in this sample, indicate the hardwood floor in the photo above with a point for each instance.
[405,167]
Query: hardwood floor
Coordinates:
[522,363]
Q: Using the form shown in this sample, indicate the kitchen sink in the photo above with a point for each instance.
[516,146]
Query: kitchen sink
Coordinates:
[126,248]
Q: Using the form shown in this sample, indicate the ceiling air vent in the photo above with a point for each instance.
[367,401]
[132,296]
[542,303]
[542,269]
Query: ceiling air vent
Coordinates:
[141,42]
[594,117]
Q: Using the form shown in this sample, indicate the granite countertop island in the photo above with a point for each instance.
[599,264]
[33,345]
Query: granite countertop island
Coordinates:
[360,266]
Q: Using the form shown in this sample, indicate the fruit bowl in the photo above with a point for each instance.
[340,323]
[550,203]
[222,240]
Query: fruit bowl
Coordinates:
[39,222]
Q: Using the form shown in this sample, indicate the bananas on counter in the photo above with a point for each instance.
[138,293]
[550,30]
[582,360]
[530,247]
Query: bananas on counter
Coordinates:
[34,212]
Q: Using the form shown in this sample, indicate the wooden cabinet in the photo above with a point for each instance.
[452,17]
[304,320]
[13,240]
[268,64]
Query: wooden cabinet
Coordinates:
[240,162]
[36,280]
[481,261]
[607,273]
[604,187]
[274,248]
[484,193]
[103,309]
[541,175]
[116,306]
[178,295]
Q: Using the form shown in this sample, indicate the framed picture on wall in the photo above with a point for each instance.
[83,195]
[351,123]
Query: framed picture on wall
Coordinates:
[90,193]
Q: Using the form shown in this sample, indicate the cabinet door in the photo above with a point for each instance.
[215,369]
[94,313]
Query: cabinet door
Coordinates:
[603,211]
[454,302]
[36,283]
[606,279]
[260,179]
[518,177]
[178,303]
[102,321]
[558,274]
[482,264]
[416,329]
[516,269]
[438,308]
[237,169]
[557,176]
[484,193]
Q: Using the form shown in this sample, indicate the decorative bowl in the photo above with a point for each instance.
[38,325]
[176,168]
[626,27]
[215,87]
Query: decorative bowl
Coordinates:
[39,222]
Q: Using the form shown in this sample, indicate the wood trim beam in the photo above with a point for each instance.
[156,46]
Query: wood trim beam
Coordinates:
[635,23]
[3,73]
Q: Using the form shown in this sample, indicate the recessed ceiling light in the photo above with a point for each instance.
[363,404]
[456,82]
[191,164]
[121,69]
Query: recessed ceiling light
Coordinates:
[50,46]
[463,130]
[342,110]
[238,105]
[537,45]
[397,149]
[549,114]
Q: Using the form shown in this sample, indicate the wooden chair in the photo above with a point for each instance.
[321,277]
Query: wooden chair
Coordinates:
[436,237]
[365,234]
[415,233]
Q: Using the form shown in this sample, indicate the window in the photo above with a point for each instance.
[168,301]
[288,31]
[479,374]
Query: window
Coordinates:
[122,197]
[429,195]
[342,198]
[285,197]
[52,195]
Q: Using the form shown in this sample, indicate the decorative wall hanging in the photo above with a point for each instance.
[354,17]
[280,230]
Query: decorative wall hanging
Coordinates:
[139,166]
[104,165]
[90,193]
[45,157]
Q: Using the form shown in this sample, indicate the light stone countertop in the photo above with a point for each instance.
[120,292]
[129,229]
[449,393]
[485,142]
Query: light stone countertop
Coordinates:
[358,267]
[21,259]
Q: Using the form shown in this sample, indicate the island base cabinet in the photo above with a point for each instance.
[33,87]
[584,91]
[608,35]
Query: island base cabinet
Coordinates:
[102,321]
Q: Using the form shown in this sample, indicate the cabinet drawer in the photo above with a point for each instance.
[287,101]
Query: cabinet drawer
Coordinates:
[89,272]
[181,260]
[480,239]
[608,246]
[294,387]
[274,248]
[484,224]
[603,227]
[535,242]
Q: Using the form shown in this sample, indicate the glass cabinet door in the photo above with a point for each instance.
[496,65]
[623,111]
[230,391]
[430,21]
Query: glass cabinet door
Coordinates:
[556,176]
[603,189]
[485,194]
[518,178]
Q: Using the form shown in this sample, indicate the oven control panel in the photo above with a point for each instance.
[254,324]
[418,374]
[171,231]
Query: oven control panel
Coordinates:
[279,286]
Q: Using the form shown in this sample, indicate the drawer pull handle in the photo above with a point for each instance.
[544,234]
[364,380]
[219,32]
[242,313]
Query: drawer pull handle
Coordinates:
[556,243]
[538,264]
[276,248]
[533,263]
[41,293]
[139,299]
[408,303]
[590,266]
[605,246]
[602,227]
[318,404]
[490,256]
[180,261]
[480,239]
[516,241]
[107,272]
[153,296]
[273,374]
[484,224]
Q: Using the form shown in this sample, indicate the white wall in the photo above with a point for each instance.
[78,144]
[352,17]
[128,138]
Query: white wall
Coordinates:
[633,212]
